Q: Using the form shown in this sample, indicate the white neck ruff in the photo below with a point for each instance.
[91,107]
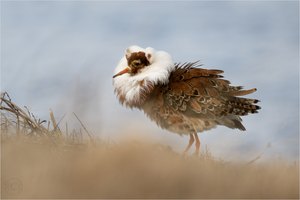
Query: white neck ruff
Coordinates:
[129,88]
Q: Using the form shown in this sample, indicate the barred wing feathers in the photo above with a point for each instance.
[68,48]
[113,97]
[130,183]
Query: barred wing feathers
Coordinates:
[197,99]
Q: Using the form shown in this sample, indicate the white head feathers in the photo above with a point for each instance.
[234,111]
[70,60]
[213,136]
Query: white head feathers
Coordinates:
[131,87]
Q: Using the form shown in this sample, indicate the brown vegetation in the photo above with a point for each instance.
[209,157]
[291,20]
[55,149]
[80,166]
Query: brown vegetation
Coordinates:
[53,165]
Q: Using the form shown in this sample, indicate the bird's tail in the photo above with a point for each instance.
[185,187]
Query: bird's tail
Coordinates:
[231,121]
[238,106]
[242,107]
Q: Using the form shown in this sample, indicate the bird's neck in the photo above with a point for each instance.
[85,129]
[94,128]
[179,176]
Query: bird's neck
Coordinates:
[136,93]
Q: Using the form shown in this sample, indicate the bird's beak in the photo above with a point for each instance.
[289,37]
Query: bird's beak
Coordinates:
[124,71]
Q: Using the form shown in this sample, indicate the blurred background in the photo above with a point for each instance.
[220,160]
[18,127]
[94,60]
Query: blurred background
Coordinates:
[61,55]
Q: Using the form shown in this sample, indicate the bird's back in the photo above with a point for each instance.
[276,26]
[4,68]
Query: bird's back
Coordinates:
[197,99]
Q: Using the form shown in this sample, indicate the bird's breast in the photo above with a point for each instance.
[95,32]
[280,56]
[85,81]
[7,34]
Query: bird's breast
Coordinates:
[134,94]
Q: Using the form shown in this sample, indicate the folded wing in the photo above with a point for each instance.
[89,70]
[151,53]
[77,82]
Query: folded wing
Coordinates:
[199,99]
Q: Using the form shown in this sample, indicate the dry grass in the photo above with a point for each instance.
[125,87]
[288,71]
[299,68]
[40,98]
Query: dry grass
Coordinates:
[134,170]
[37,162]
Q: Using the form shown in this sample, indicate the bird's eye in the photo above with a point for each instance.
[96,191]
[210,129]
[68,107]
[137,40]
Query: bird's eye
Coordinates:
[136,63]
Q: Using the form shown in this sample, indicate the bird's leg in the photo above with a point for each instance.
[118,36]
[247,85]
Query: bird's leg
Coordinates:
[197,144]
[191,141]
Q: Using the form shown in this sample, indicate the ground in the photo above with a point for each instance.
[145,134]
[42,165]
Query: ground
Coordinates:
[38,168]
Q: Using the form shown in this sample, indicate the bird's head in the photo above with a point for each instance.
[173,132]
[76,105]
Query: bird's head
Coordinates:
[138,71]
[144,64]
[137,60]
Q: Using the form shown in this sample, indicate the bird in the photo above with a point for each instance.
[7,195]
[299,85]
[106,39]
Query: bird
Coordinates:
[182,98]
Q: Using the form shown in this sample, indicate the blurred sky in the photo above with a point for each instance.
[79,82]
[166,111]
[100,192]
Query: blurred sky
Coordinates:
[61,55]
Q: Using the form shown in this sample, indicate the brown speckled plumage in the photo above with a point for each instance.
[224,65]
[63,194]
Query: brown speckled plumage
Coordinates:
[197,99]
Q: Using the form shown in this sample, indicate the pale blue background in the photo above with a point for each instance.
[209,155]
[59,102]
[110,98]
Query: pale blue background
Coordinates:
[61,55]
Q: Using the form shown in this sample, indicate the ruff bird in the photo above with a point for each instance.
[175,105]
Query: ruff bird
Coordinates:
[181,98]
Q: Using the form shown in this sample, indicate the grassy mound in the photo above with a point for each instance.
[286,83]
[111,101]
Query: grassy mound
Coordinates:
[134,170]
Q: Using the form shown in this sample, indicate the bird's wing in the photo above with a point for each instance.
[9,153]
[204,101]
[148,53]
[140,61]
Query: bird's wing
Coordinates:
[204,96]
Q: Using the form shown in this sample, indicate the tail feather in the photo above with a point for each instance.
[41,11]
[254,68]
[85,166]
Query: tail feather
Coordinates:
[231,121]
[242,106]
[241,92]
[238,106]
